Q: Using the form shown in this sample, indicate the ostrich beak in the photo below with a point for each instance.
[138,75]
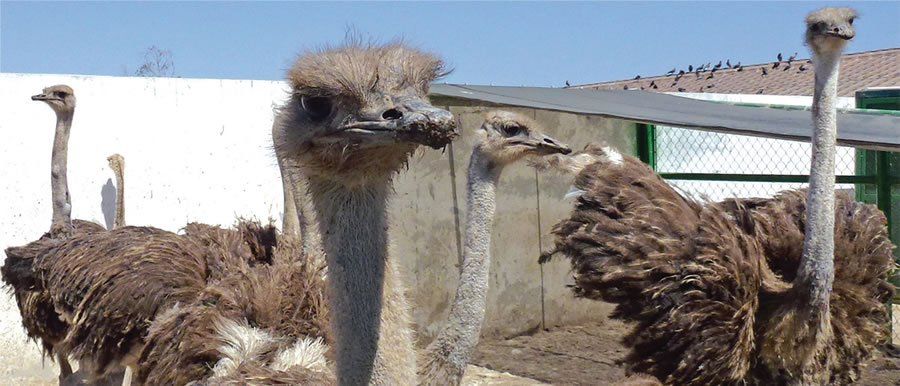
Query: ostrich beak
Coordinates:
[44,97]
[544,145]
[843,32]
[552,146]
[411,120]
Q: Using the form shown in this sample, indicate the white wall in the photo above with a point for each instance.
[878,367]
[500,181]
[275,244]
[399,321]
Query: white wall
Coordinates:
[195,150]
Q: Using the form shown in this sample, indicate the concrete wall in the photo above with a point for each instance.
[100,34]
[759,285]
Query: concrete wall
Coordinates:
[427,227]
[199,150]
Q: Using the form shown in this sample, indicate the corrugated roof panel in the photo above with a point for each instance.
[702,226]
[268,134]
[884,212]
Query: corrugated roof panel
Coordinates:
[857,129]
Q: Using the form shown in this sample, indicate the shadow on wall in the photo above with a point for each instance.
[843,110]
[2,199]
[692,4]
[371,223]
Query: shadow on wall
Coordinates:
[108,203]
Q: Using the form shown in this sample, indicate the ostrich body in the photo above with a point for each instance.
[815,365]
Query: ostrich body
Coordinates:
[722,293]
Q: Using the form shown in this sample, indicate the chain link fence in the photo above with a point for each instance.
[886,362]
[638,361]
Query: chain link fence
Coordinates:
[693,151]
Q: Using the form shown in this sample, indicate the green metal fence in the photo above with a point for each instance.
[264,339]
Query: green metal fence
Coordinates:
[717,166]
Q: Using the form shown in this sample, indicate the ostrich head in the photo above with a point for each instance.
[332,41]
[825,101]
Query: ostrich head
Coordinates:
[60,98]
[508,137]
[116,162]
[358,112]
[829,29]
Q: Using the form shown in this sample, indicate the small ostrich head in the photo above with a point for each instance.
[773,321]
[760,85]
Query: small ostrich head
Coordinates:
[507,137]
[60,98]
[116,162]
[829,29]
[358,112]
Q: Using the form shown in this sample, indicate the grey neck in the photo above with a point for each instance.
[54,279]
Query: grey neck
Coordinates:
[816,273]
[353,222]
[61,222]
[454,344]
[290,220]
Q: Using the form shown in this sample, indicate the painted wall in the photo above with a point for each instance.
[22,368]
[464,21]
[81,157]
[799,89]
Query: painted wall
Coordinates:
[199,150]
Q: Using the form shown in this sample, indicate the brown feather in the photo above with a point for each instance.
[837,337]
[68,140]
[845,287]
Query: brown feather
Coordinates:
[42,323]
[87,275]
[286,300]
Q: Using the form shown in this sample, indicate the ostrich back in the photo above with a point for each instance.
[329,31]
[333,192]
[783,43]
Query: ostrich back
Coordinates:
[240,328]
[685,272]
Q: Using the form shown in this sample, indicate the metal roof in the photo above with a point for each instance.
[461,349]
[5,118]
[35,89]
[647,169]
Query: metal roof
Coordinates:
[865,129]
[859,71]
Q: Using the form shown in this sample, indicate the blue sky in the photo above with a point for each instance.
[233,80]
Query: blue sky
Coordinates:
[502,43]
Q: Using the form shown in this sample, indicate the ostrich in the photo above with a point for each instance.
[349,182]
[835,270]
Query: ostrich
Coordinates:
[117,164]
[503,138]
[178,348]
[40,320]
[721,292]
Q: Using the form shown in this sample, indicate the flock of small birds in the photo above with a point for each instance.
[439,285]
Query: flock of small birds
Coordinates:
[708,71]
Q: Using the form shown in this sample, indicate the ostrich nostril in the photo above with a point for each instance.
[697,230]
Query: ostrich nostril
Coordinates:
[392,114]
[837,30]
[550,141]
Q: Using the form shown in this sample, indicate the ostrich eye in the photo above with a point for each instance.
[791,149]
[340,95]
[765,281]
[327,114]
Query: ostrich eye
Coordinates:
[850,21]
[318,108]
[820,26]
[511,130]
[61,94]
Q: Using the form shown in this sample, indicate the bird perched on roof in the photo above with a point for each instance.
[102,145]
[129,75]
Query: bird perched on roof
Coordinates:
[787,66]
[738,64]
[764,72]
[740,68]
[567,84]
[802,68]
[690,68]
[637,77]
[776,64]
[680,73]
[653,84]
[792,57]
[728,63]
[718,65]
[672,71]
[760,91]
[779,56]
[681,89]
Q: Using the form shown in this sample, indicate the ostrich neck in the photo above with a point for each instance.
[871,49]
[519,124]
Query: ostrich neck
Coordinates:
[290,221]
[62,204]
[816,272]
[455,342]
[120,197]
[353,223]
